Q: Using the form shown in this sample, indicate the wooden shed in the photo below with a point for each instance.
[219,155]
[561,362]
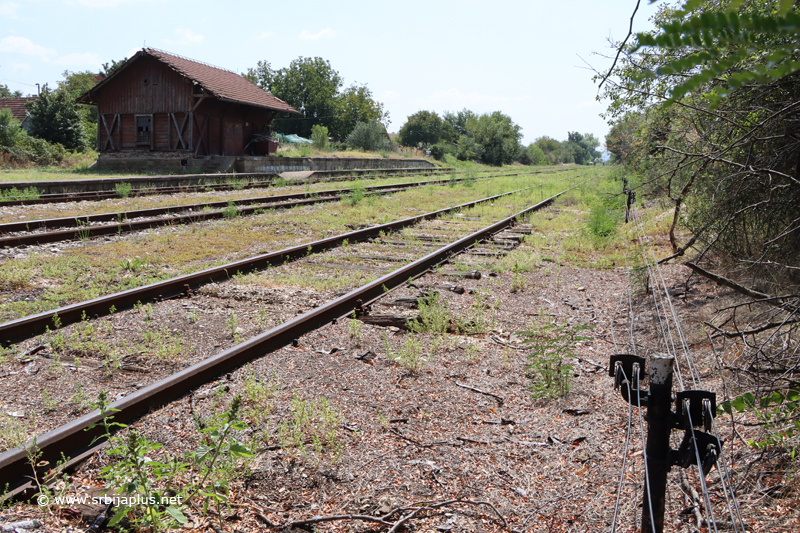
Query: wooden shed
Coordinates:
[161,102]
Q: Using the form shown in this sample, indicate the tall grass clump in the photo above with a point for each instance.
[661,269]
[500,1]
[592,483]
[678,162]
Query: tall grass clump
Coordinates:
[123,189]
[319,137]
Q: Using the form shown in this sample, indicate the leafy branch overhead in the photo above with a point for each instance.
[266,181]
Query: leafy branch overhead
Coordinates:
[720,44]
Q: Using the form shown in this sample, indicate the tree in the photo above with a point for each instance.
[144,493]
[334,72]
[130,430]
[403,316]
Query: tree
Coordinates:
[623,140]
[5,92]
[108,69]
[582,147]
[499,137]
[356,104]
[467,149]
[54,117]
[76,84]
[424,128]
[311,86]
[461,121]
[715,89]
[261,75]
[369,136]
[533,154]
[10,128]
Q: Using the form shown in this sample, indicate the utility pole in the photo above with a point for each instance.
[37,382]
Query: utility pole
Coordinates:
[659,426]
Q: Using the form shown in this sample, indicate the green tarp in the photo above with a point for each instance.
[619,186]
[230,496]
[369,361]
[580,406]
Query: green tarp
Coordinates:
[292,139]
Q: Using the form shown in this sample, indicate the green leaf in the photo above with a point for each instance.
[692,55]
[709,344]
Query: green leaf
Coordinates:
[177,515]
[202,452]
[743,402]
[119,515]
[240,450]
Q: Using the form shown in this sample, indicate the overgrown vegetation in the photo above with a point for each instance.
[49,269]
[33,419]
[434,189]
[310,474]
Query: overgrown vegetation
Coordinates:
[311,430]
[549,360]
[157,485]
[705,109]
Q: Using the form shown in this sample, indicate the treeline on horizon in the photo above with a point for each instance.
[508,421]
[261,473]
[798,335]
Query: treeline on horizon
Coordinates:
[350,115]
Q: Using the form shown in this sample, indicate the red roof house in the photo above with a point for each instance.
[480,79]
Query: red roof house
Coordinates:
[17,107]
[161,102]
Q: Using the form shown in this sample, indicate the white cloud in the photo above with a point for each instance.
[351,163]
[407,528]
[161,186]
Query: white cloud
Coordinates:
[9,10]
[23,46]
[327,33]
[265,35]
[75,60]
[388,96]
[185,36]
[20,67]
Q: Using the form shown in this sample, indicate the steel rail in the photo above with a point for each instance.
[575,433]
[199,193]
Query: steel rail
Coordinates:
[83,230]
[77,437]
[321,176]
[26,327]
[79,196]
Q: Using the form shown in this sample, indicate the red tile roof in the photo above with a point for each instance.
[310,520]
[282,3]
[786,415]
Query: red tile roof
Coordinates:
[16,105]
[223,84]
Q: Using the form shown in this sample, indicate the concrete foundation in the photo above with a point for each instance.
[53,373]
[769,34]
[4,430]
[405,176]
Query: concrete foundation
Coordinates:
[185,163]
[185,170]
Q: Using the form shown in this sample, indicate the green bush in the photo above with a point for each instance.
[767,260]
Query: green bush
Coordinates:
[602,221]
[369,136]
[54,117]
[319,135]
[10,128]
[549,366]
[440,149]
[468,149]
[27,149]
[524,158]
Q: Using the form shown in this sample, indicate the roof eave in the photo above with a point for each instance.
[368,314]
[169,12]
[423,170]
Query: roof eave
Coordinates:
[291,110]
[86,98]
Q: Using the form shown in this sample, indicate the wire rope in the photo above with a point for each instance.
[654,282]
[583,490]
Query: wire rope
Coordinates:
[624,452]
[700,474]
[727,477]
[613,321]
[695,375]
[644,446]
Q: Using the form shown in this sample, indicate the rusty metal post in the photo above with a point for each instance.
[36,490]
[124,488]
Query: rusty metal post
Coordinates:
[659,426]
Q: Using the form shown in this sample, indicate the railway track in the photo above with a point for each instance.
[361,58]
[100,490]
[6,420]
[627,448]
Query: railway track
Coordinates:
[26,327]
[76,439]
[27,233]
[43,231]
[317,177]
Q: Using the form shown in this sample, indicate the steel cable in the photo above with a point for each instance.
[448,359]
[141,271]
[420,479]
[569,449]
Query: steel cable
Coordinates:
[700,474]
[624,452]
[724,476]
[644,445]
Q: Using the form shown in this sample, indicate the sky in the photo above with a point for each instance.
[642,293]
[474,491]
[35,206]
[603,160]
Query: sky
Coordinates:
[531,60]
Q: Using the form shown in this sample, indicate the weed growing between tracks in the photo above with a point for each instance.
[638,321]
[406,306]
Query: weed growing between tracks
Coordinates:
[75,274]
[552,349]
[156,486]
[311,430]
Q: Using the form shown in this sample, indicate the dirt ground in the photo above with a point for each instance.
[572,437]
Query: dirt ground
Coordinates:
[457,433]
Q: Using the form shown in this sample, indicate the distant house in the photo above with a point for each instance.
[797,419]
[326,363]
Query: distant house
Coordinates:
[17,107]
[165,104]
